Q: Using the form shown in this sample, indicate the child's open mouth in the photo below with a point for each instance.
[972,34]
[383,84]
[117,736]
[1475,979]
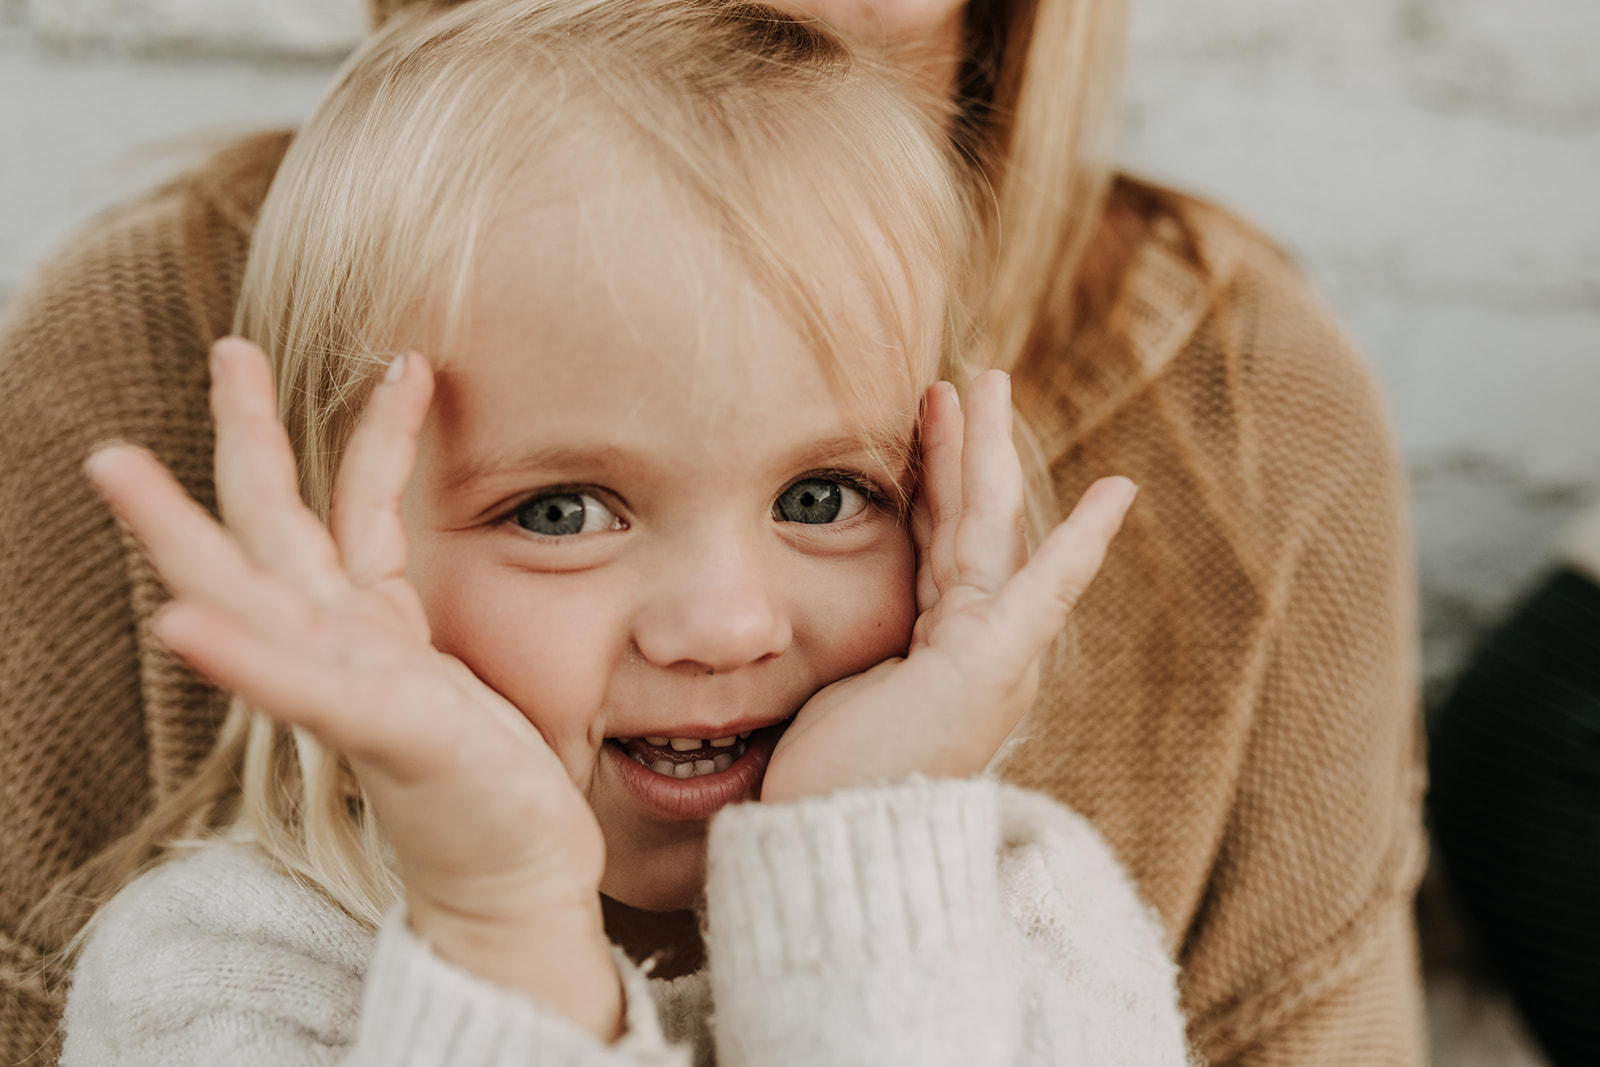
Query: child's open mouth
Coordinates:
[692,778]
[685,757]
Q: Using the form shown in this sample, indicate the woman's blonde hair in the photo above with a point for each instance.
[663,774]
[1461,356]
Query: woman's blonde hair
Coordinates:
[771,130]
[1042,106]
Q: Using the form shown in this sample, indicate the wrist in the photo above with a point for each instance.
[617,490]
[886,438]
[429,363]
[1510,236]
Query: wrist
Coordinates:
[560,958]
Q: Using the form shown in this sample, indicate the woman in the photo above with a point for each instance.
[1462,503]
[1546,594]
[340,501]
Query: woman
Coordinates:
[1239,723]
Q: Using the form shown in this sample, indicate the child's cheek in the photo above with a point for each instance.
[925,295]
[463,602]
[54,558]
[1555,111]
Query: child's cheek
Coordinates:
[542,641]
[871,609]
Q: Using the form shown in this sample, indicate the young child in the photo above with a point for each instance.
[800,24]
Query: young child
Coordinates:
[620,546]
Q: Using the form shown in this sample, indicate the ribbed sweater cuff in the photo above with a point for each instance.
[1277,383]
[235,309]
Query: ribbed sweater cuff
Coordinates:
[860,925]
[872,872]
[422,1010]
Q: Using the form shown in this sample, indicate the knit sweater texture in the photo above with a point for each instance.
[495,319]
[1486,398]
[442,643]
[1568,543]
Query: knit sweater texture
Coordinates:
[1240,723]
[953,922]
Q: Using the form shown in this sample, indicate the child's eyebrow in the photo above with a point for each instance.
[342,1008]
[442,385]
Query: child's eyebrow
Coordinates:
[891,451]
[471,471]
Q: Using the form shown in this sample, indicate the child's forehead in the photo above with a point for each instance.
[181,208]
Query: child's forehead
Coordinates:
[597,261]
[618,333]
[625,291]
[616,322]
[604,250]
[615,208]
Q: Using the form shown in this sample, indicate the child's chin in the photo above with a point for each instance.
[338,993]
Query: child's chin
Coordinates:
[666,878]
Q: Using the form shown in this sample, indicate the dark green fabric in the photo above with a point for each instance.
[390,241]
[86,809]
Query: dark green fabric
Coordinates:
[1515,805]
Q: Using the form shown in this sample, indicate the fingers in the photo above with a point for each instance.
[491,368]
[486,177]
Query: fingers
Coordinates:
[299,679]
[990,542]
[258,491]
[365,516]
[1047,588]
[215,644]
[969,526]
[194,555]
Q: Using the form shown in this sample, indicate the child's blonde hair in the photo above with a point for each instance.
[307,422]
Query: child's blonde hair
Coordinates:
[772,130]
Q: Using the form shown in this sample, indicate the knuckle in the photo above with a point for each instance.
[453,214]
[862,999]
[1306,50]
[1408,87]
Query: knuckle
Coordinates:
[1067,594]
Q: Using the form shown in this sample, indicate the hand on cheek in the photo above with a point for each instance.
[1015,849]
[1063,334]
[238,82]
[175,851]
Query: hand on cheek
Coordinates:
[986,613]
[317,627]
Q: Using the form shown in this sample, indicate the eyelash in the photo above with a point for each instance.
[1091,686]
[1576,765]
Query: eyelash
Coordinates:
[876,496]
[507,517]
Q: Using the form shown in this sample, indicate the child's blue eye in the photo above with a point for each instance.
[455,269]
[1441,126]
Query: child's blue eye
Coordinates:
[564,514]
[817,501]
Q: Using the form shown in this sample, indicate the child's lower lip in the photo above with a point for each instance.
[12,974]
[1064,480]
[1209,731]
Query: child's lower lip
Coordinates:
[696,799]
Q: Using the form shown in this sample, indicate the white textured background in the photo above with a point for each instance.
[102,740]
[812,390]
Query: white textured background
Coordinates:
[1433,163]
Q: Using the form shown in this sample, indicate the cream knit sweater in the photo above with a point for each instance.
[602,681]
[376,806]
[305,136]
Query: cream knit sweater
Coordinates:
[954,922]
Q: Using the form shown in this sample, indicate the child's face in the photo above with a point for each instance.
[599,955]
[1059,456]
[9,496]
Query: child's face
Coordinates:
[639,512]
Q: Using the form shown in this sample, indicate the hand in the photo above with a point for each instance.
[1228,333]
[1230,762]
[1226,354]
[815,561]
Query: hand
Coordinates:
[317,627]
[986,612]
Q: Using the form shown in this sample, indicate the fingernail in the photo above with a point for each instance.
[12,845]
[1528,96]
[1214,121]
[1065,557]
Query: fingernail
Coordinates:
[96,455]
[91,463]
[161,628]
[222,345]
[396,371]
[158,622]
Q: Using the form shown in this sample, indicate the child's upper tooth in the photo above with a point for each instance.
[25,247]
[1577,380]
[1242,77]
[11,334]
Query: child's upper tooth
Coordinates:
[684,744]
[723,742]
[623,740]
[659,742]
[747,733]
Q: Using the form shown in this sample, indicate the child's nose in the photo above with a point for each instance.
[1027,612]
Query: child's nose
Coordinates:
[715,613]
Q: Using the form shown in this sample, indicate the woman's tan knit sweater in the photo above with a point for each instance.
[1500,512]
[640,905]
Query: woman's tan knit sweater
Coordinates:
[1241,725]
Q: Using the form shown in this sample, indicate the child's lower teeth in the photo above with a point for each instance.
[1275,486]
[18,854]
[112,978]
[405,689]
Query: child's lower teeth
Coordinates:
[695,768]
